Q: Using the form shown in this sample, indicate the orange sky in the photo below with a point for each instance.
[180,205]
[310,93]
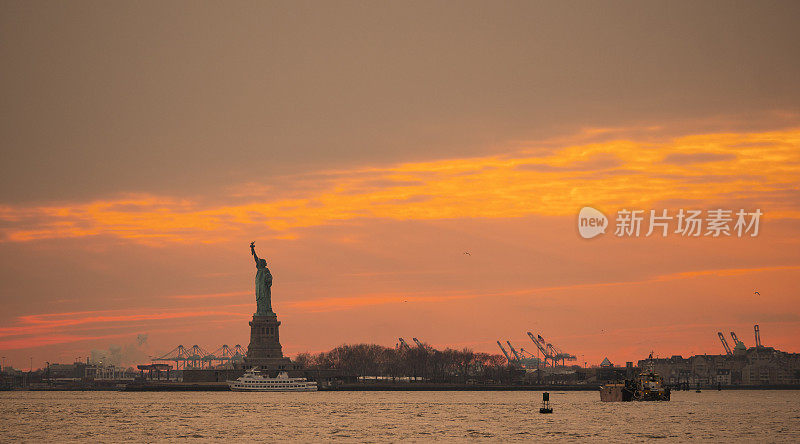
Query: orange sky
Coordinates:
[376,253]
[365,149]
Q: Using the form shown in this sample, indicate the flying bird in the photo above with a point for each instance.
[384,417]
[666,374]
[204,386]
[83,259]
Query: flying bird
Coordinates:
[467,253]
[755,292]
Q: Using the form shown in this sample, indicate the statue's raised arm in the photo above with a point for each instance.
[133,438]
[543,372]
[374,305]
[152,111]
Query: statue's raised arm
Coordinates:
[263,285]
[253,250]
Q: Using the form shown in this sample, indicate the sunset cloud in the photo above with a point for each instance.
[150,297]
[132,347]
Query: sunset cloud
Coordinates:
[706,168]
[58,328]
[50,329]
[345,303]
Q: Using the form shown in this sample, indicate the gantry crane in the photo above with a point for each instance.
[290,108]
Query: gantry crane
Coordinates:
[540,344]
[724,343]
[552,349]
[194,357]
[529,356]
[758,335]
[511,347]
[225,355]
[736,340]
[556,354]
[508,357]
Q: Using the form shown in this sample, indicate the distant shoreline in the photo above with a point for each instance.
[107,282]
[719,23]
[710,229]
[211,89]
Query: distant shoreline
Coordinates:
[222,387]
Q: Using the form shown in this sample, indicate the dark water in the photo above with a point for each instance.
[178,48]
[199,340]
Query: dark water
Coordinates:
[747,416]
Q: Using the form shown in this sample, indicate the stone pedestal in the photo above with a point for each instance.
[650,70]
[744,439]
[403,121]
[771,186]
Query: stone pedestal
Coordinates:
[265,350]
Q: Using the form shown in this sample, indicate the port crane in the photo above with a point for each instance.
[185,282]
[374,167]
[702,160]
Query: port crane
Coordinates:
[226,354]
[551,349]
[511,347]
[529,356]
[194,357]
[540,344]
[550,352]
[565,357]
[724,343]
[736,340]
[758,335]
[419,344]
[557,355]
[508,357]
[404,344]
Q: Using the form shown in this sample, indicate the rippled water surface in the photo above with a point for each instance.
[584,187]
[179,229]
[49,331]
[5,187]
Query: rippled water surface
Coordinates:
[772,416]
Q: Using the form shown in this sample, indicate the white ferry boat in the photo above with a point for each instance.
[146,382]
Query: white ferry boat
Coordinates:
[254,381]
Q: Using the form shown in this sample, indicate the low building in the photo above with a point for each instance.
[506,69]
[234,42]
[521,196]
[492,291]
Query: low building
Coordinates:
[607,372]
[756,366]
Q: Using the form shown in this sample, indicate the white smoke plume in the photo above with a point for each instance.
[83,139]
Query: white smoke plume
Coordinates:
[122,356]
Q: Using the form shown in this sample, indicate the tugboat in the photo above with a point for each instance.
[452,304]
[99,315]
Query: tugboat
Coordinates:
[254,381]
[648,386]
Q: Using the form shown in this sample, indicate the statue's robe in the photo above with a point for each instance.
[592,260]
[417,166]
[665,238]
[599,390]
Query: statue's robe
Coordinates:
[263,291]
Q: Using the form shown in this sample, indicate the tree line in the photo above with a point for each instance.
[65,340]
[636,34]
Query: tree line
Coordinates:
[421,363]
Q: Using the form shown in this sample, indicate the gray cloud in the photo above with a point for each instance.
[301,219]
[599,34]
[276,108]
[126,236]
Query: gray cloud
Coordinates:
[101,98]
[598,162]
[690,158]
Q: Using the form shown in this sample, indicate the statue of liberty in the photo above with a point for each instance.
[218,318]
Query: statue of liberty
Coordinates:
[263,285]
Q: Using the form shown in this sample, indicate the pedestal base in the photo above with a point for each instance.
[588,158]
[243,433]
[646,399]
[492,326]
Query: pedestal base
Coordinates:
[265,351]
